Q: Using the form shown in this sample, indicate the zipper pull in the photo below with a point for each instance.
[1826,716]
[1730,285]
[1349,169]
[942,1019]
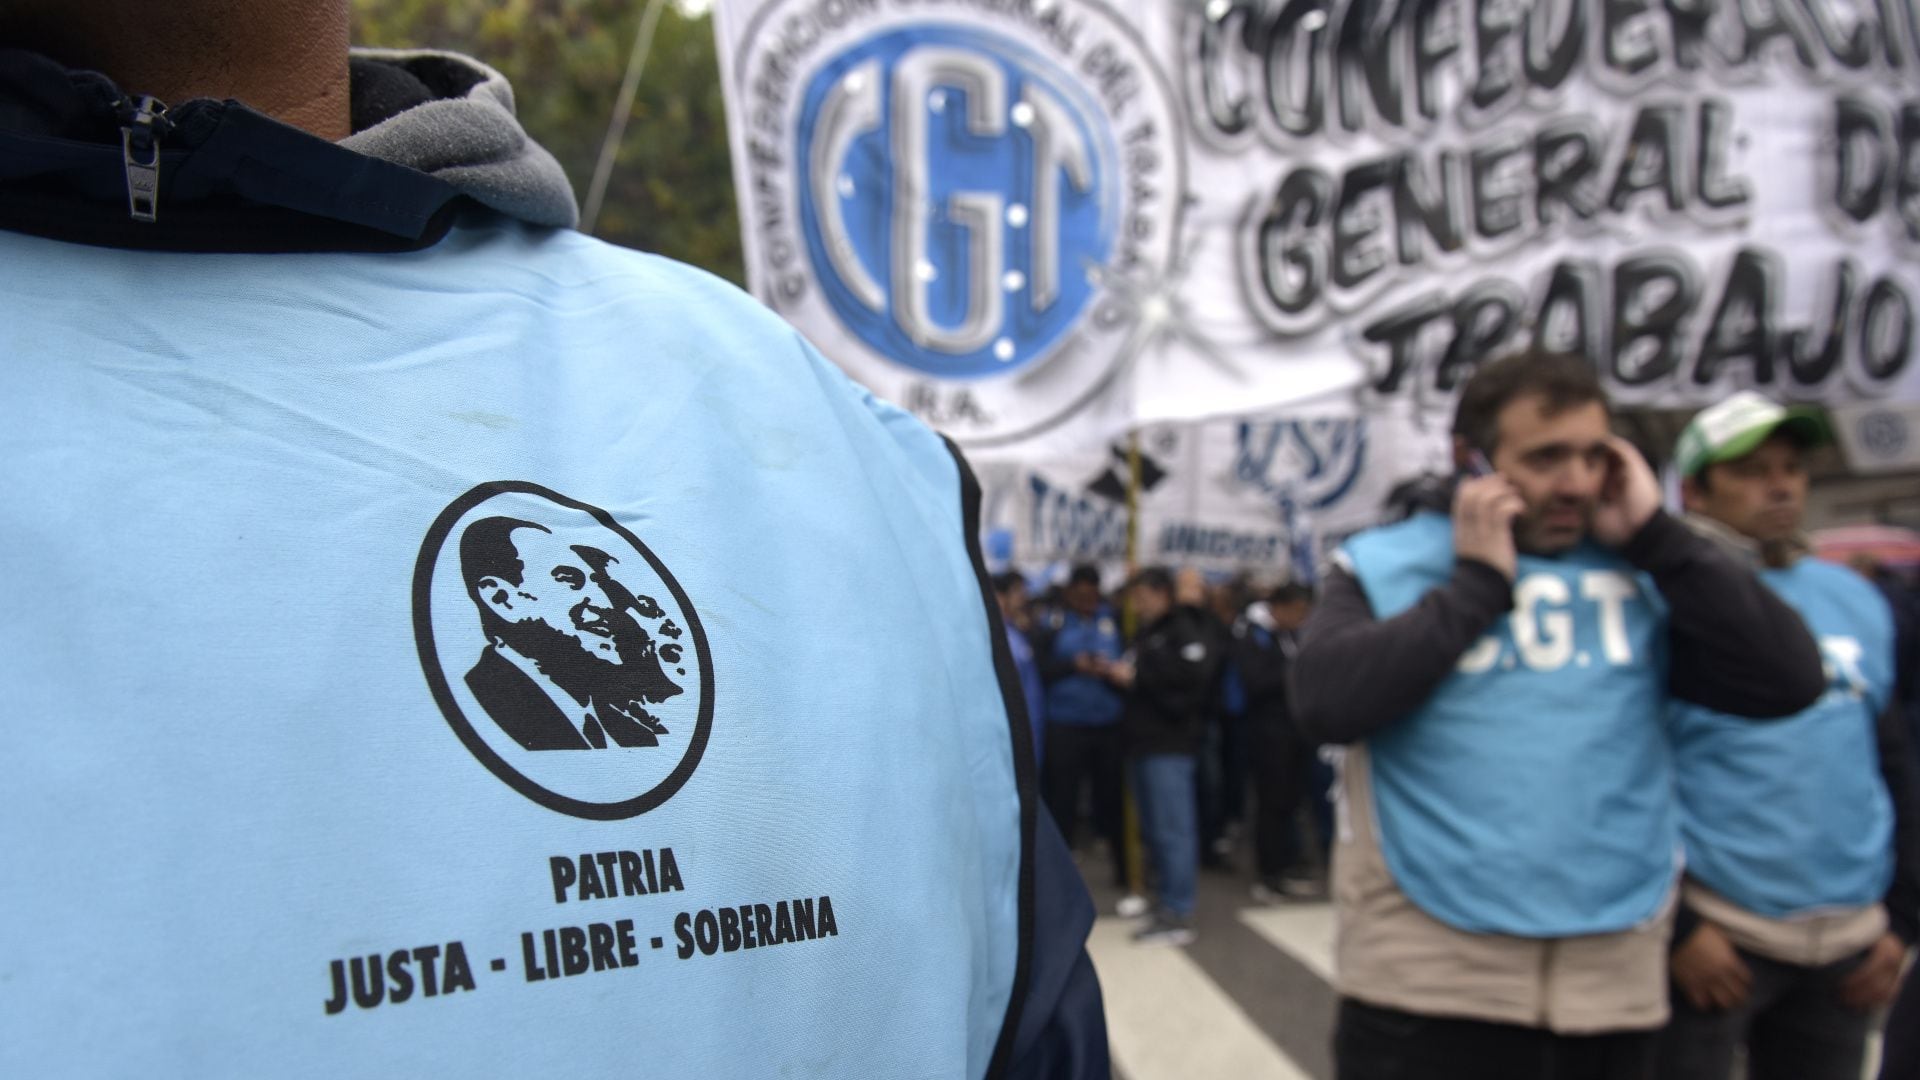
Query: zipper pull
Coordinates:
[140,153]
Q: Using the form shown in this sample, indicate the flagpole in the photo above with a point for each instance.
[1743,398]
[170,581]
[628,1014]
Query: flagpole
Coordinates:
[622,110]
[1136,876]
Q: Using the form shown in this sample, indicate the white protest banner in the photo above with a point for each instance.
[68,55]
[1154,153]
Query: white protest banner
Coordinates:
[1259,495]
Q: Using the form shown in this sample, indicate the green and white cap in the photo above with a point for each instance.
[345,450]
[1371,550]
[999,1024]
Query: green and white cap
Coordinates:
[1735,427]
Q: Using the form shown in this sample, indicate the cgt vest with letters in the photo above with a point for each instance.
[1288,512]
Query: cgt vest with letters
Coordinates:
[517,656]
[1791,816]
[1529,795]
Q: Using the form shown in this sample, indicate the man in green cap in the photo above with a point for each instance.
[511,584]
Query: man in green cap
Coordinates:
[1800,898]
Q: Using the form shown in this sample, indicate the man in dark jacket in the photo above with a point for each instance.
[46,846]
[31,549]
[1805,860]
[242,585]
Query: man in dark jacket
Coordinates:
[1168,678]
[1265,641]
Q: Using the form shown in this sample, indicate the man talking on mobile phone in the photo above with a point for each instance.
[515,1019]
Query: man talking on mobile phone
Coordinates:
[1507,857]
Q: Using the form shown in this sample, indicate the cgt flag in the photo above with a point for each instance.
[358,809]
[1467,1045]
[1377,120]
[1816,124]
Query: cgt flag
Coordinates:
[975,208]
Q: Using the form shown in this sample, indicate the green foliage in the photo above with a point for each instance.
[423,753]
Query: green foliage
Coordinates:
[672,186]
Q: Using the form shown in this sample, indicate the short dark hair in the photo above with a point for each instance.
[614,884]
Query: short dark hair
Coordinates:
[1157,578]
[1292,592]
[1561,380]
[1703,476]
[486,550]
[1085,574]
[1008,580]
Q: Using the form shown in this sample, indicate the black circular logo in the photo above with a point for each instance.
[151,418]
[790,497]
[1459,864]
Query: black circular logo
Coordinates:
[562,651]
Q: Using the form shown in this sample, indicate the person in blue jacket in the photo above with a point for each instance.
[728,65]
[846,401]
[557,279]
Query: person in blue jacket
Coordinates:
[1802,892]
[1011,591]
[427,643]
[1078,650]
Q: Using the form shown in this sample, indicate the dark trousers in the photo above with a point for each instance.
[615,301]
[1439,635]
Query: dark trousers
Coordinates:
[1283,772]
[1372,1043]
[1793,1025]
[1076,758]
[1222,779]
[1900,1054]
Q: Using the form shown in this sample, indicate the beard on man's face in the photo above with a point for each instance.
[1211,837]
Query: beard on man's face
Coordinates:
[587,676]
[1554,525]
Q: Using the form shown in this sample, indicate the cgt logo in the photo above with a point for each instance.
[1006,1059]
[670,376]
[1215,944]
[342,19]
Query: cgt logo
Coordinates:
[956,189]
[1550,629]
[960,203]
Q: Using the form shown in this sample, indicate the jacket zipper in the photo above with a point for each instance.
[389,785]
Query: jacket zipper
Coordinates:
[140,139]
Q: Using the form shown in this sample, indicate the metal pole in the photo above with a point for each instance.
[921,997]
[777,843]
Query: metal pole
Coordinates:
[1135,852]
[622,110]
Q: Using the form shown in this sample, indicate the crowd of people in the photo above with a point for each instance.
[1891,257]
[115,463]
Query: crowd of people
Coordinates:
[1626,793]
[1189,713]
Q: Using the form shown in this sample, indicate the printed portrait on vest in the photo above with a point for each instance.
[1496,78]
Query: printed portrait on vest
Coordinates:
[573,658]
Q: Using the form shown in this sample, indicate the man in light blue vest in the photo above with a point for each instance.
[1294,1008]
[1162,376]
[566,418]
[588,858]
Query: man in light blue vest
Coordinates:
[1507,855]
[1800,900]
[436,642]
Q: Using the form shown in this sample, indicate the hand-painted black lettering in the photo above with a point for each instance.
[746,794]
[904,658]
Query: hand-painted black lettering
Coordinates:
[1296,58]
[1290,257]
[1741,328]
[1358,216]
[1401,331]
[1484,319]
[1565,159]
[1556,31]
[1369,66]
[1652,161]
[1436,41]
[1428,212]
[1715,189]
[1497,180]
[1569,318]
[1860,160]
[1886,330]
[1653,293]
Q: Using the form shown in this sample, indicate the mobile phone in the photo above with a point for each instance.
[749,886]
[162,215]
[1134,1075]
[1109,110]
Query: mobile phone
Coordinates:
[1478,465]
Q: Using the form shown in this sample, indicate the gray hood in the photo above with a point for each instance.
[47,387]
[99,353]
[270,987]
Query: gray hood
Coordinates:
[452,117]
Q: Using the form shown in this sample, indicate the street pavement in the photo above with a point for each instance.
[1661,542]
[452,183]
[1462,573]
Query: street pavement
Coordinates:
[1249,999]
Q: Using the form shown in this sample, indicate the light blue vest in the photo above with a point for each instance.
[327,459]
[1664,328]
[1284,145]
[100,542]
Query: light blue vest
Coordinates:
[517,656]
[1530,794]
[1789,816]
